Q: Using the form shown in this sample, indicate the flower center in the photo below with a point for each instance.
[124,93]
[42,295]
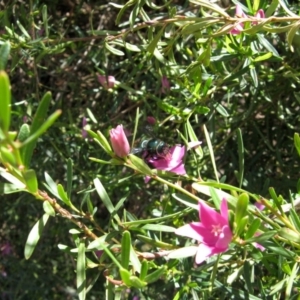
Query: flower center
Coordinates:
[217,230]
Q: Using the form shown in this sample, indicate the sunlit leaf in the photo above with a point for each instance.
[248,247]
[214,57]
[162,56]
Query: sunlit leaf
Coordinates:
[34,235]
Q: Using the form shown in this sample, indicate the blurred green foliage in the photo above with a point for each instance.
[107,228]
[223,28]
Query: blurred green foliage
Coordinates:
[235,87]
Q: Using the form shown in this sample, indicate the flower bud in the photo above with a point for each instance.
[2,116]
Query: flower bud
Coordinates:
[165,83]
[108,82]
[119,141]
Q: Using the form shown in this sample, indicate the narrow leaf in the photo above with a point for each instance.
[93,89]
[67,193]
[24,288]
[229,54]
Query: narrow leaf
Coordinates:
[69,177]
[125,254]
[80,269]
[40,115]
[35,235]
[4,53]
[4,102]
[103,195]
[155,40]
[31,181]
[114,50]
[63,195]
[48,123]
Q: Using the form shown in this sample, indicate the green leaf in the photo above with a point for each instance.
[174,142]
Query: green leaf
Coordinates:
[211,152]
[289,234]
[154,276]
[23,30]
[211,6]
[241,151]
[40,115]
[241,207]
[80,270]
[105,198]
[140,165]
[31,181]
[198,26]
[144,269]
[24,133]
[134,260]
[126,245]
[12,179]
[193,138]
[151,47]
[125,275]
[4,53]
[4,102]
[45,20]
[8,188]
[252,229]
[183,252]
[114,50]
[134,48]
[63,195]
[253,75]
[123,9]
[271,8]
[97,244]
[155,243]
[297,142]
[267,45]
[263,237]
[48,123]
[35,235]
[69,177]
[137,282]
[51,186]
[221,110]
[48,209]
[263,57]
[101,140]
[7,156]
[291,34]
[292,279]
[158,227]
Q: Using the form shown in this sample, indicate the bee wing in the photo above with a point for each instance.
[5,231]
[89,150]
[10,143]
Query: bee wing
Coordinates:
[136,150]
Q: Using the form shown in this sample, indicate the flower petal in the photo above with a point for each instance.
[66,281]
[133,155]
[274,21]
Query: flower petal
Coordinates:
[209,216]
[224,210]
[203,253]
[190,230]
[119,141]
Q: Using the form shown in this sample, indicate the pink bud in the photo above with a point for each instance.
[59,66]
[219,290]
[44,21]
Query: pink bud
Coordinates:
[239,12]
[151,120]
[259,15]
[107,82]
[165,85]
[240,26]
[119,141]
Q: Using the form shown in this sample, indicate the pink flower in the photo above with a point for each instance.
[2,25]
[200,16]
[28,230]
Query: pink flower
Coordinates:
[6,248]
[259,205]
[99,253]
[239,13]
[213,232]
[172,163]
[256,245]
[259,15]
[107,82]
[151,120]
[119,141]
[165,85]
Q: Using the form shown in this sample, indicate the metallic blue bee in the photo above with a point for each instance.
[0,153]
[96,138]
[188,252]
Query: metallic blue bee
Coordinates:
[153,148]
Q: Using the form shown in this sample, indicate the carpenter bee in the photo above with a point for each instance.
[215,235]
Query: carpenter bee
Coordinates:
[153,148]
